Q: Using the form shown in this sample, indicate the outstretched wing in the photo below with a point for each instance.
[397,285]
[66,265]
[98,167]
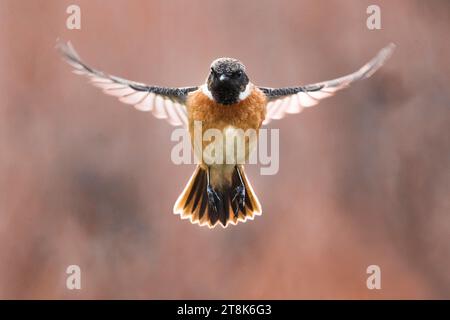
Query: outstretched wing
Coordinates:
[283,101]
[164,103]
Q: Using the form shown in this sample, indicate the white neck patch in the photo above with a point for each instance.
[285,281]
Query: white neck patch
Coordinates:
[244,94]
[206,91]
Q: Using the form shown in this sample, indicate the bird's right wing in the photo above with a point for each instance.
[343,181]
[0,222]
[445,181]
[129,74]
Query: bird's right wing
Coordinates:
[164,103]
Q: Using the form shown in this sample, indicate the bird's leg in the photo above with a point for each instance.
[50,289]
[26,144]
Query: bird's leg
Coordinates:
[213,197]
[239,194]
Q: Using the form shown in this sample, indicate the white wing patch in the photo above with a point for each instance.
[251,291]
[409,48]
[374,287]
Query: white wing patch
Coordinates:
[160,106]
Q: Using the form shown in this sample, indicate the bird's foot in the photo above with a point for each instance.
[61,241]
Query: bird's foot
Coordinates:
[239,196]
[213,198]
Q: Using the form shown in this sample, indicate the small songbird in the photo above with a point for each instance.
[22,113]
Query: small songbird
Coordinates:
[219,193]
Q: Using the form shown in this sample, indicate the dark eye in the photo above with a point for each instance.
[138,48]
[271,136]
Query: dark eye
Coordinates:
[238,74]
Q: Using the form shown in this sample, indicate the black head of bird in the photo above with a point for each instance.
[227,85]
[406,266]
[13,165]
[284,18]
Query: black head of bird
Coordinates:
[227,81]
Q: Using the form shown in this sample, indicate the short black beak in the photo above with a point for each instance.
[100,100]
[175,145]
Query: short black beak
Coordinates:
[223,77]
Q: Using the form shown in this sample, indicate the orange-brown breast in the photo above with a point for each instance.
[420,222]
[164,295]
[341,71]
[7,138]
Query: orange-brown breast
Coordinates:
[247,114]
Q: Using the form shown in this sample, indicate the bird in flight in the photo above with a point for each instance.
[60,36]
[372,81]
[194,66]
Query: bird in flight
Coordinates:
[219,193]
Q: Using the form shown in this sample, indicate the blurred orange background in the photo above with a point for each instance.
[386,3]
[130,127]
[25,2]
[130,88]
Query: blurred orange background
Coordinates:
[364,178]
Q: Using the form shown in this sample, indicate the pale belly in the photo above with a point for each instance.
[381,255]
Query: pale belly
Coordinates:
[229,146]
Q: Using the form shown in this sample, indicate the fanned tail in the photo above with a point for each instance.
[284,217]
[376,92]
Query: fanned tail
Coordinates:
[193,203]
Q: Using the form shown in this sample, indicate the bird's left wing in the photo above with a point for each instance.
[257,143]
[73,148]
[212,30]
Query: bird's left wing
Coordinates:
[283,101]
[165,103]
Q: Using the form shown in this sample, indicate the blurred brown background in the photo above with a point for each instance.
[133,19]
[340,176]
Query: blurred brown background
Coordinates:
[364,178]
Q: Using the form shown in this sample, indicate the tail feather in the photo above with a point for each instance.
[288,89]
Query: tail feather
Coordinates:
[193,202]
